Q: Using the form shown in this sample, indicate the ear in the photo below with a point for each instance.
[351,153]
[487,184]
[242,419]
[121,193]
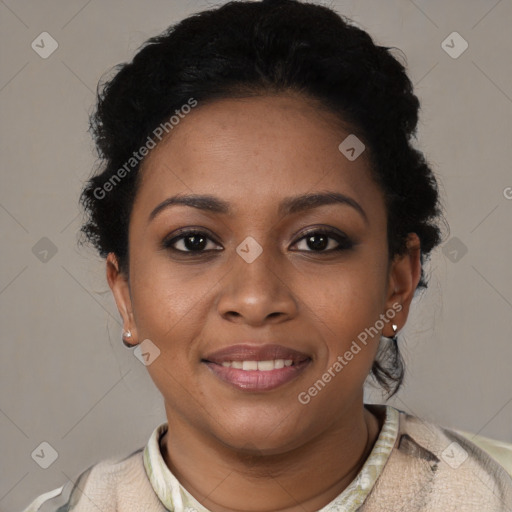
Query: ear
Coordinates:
[404,276]
[118,283]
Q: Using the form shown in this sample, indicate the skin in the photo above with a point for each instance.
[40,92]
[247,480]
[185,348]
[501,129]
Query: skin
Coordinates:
[235,450]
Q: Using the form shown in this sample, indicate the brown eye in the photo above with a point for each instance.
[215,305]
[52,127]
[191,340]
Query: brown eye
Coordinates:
[190,241]
[322,240]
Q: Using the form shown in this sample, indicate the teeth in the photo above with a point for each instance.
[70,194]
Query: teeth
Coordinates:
[249,365]
[263,366]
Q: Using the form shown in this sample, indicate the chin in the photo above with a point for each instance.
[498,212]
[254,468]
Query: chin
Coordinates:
[262,432]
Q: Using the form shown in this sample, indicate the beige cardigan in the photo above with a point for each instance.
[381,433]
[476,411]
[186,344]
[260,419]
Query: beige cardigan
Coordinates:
[429,469]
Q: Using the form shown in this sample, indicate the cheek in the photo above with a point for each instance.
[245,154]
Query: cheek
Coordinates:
[169,314]
[163,296]
[170,311]
[351,295]
[346,306]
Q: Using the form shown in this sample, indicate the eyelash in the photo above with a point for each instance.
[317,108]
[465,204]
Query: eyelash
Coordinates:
[344,242]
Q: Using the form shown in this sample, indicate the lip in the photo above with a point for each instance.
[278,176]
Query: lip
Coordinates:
[256,380]
[246,352]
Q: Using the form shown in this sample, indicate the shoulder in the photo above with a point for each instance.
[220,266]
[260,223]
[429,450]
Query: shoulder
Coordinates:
[112,484]
[499,450]
[439,469]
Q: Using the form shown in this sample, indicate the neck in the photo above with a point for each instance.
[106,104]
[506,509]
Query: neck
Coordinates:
[305,478]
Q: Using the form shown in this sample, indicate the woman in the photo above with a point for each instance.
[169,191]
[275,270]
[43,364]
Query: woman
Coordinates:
[265,221]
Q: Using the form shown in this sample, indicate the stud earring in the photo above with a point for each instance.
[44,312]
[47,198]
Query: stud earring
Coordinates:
[393,338]
[126,336]
[395,332]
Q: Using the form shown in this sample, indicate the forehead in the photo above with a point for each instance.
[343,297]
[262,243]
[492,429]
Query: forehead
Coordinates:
[256,148]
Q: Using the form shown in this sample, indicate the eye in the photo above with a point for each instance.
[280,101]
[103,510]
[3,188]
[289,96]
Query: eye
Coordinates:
[318,240]
[321,239]
[189,241]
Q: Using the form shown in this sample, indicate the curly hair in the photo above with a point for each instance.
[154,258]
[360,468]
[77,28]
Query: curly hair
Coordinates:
[248,48]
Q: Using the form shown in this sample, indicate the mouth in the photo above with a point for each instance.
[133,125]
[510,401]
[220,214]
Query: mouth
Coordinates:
[257,368]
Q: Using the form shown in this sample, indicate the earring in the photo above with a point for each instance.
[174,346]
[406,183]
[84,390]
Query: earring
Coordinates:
[127,335]
[393,338]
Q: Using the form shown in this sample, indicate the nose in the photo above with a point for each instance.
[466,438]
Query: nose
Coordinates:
[257,293]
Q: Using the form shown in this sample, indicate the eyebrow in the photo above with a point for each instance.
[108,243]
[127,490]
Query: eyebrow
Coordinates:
[287,206]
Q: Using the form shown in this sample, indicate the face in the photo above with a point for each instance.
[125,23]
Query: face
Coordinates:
[253,277]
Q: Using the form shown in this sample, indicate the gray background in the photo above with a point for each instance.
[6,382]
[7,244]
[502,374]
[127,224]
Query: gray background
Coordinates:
[66,378]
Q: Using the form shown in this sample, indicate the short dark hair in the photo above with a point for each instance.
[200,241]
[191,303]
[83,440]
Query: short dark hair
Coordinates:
[246,48]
